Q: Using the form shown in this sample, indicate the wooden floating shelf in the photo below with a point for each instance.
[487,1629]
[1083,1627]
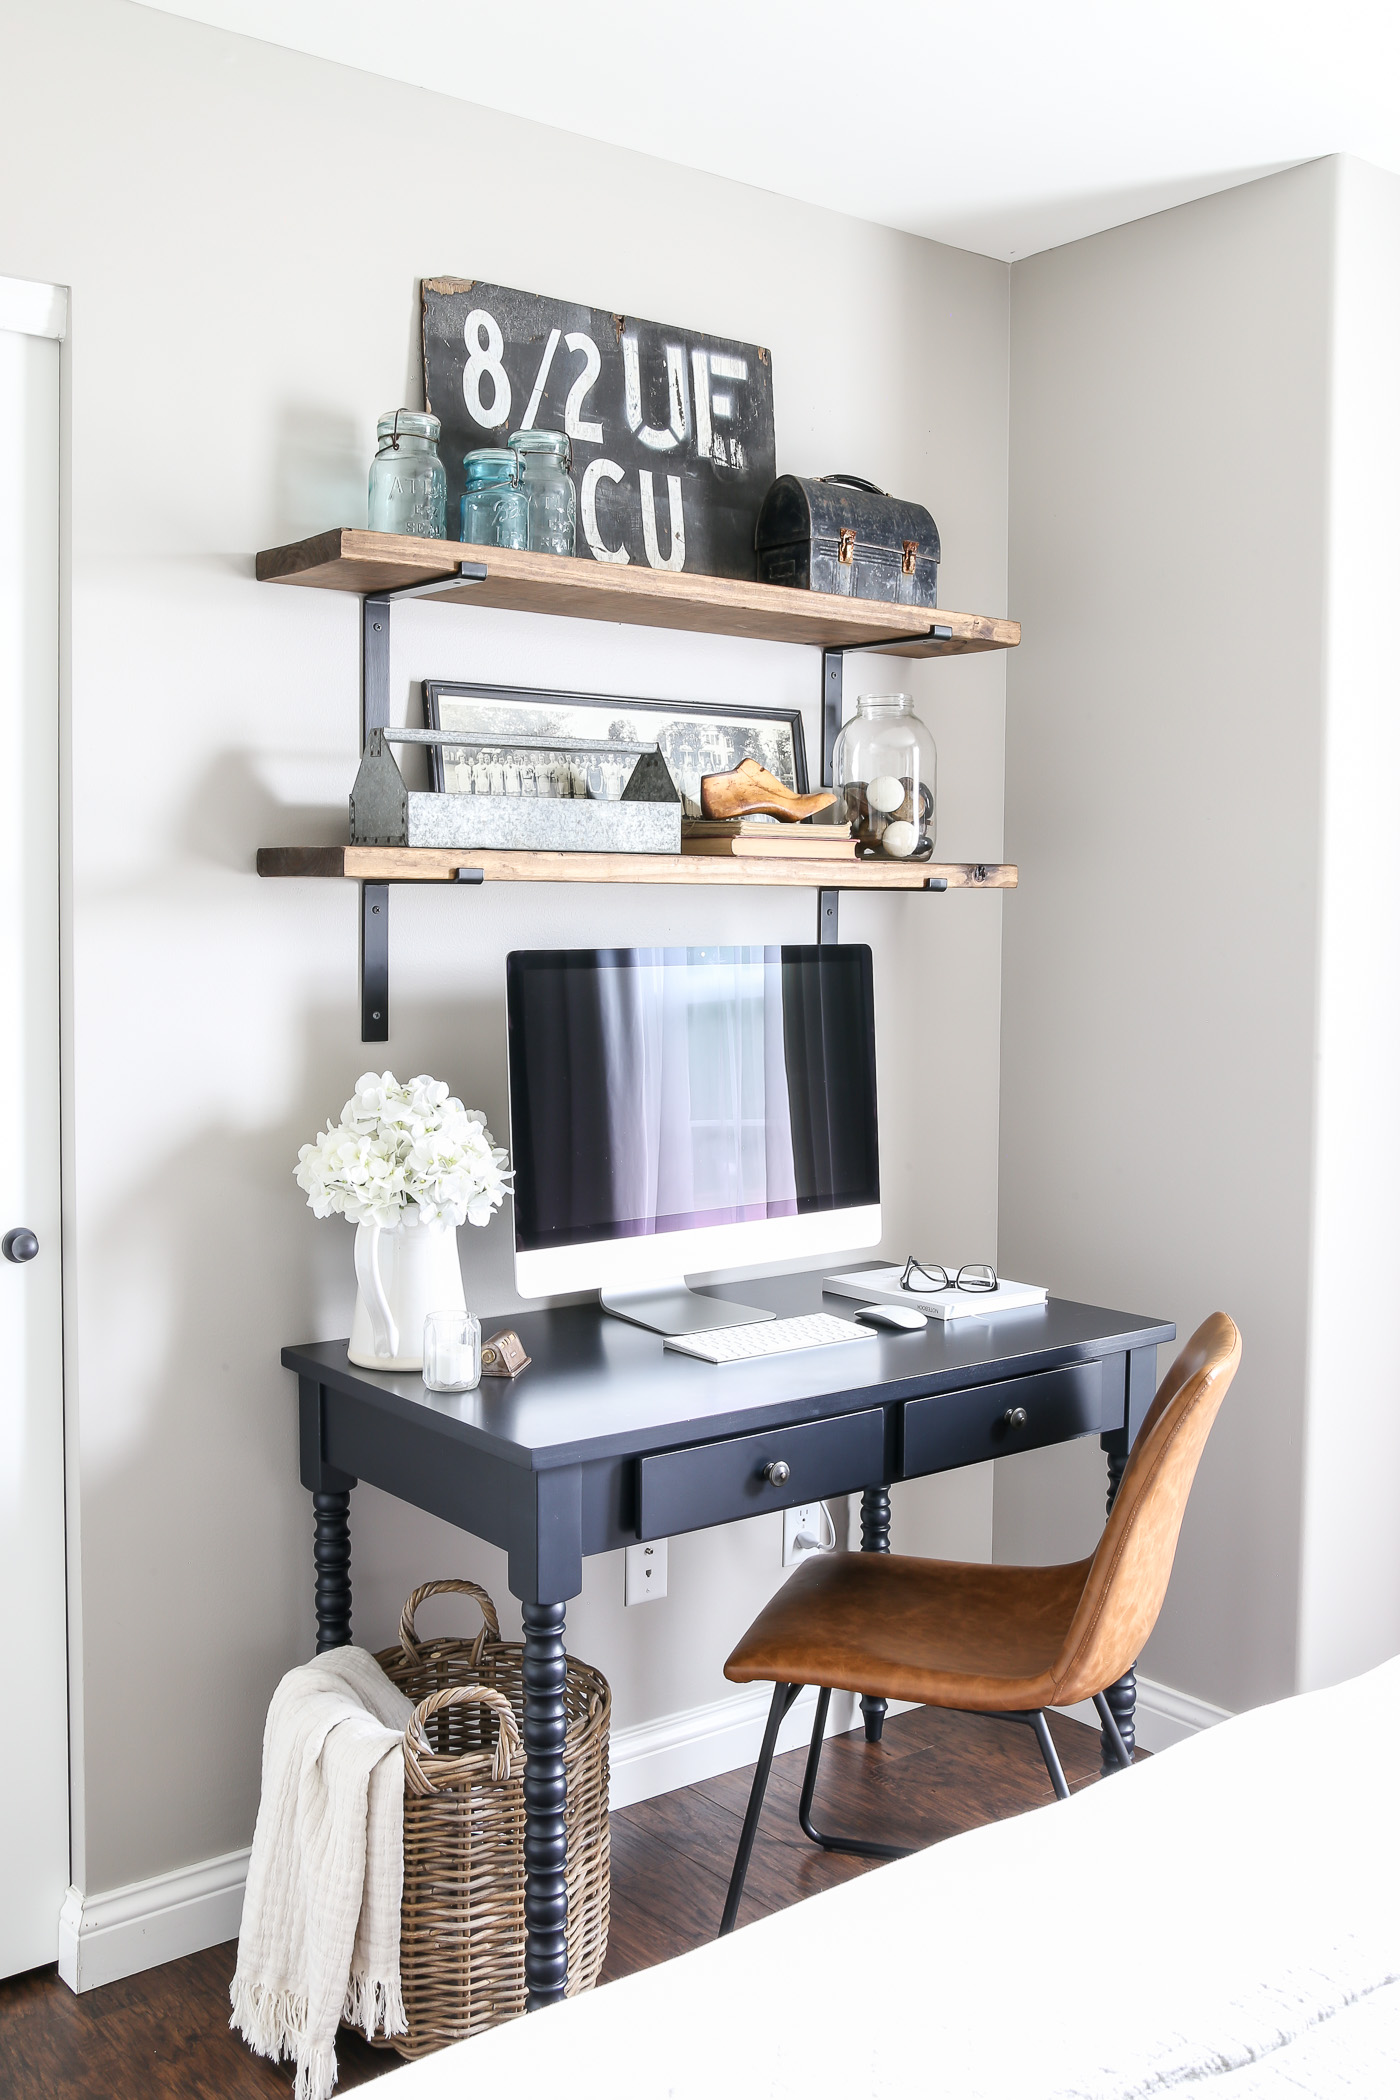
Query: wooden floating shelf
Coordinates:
[372,562]
[440,864]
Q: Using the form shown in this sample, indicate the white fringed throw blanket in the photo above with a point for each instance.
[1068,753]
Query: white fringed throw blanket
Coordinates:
[320,1936]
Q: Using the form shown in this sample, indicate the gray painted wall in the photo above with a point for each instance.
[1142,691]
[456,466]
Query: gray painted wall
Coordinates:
[243,229]
[1169,558]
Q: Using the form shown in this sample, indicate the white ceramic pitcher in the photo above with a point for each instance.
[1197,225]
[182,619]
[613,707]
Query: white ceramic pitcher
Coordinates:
[403,1273]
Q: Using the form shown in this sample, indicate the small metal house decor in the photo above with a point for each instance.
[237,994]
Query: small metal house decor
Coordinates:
[385,812]
[844,535]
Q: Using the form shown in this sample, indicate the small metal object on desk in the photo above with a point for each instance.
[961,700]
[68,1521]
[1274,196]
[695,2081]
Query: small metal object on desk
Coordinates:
[503,1355]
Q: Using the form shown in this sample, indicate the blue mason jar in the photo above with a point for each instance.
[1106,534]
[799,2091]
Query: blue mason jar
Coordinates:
[495,510]
[545,458]
[407,480]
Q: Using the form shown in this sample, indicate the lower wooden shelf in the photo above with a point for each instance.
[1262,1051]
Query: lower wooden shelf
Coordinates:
[440,864]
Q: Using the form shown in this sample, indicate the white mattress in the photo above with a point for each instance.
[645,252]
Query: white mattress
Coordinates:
[1224,1918]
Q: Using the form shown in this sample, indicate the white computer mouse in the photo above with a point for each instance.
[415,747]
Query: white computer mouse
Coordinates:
[891,1316]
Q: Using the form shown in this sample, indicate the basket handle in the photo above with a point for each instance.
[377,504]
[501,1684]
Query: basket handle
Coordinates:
[416,1746]
[408,1632]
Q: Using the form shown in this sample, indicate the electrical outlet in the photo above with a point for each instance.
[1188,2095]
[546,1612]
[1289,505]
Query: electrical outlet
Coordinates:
[804,1530]
[646,1572]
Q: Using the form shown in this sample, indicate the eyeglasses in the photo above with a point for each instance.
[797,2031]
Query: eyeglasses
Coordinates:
[932,1276]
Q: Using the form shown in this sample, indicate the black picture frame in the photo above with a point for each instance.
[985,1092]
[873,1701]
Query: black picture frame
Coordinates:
[772,735]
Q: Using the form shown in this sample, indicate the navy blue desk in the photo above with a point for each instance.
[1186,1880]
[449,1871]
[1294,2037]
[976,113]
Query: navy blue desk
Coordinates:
[608,1438]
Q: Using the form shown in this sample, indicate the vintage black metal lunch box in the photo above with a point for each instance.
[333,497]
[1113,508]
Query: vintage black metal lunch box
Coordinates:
[842,534]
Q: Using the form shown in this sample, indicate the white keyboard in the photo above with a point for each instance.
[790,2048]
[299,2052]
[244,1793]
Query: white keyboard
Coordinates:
[740,1345]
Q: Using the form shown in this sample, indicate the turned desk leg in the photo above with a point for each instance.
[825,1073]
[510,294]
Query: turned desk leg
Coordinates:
[331,1554]
[546,1886]
[874,1538]
[1122,1696]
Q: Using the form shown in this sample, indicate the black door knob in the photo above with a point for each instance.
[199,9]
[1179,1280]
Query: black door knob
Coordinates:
[19,1245]
[1015,1418]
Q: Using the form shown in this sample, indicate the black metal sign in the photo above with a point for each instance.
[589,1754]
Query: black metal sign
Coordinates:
[672,432]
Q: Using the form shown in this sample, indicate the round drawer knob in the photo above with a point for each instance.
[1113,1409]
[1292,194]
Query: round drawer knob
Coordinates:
[19,1245]
[778,1471]
[1015,1418]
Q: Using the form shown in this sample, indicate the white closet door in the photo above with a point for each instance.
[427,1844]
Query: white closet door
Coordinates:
[33,1637]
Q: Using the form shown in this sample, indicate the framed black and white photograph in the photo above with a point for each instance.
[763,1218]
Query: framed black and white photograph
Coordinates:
[694,738]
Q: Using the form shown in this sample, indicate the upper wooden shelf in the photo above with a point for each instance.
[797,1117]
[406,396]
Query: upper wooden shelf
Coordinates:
[367,562]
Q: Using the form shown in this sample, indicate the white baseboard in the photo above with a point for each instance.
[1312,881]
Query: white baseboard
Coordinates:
[103,1938]
[1164,1716]
[656,1757]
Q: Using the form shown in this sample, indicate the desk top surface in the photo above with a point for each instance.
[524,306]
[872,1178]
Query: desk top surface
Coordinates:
[598,1387]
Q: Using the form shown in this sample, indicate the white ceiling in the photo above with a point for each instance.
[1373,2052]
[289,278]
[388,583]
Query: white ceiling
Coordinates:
[1005,126]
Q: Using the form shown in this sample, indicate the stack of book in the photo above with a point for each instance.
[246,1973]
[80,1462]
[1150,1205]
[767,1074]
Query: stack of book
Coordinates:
[759,838]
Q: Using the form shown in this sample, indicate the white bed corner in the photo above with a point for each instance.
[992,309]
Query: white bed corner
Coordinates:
[1224,1918]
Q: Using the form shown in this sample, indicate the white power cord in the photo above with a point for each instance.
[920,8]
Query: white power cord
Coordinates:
[805,1543]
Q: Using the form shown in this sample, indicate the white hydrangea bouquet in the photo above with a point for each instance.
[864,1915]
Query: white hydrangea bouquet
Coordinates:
[400,1145]
[406,1164]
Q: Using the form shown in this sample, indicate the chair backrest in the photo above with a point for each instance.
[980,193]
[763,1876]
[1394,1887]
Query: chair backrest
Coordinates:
[1128,1575]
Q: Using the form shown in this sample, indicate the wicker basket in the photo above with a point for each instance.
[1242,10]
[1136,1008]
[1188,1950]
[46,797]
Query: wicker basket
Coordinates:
[462,1939]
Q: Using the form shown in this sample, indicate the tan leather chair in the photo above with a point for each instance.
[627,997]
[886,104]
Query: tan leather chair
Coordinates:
[981,1639]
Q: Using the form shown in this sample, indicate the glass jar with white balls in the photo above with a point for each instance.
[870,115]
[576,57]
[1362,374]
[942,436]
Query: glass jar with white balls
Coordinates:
[885,772]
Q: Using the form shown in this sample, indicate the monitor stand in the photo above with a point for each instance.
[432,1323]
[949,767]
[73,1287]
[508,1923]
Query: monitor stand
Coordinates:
[669,1308]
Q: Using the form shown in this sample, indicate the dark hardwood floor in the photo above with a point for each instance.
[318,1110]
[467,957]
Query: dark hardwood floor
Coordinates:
[164,2035]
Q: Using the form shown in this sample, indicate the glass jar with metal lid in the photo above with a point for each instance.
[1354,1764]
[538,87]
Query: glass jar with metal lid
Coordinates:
[546,458]
[495,509]
[407,480]
[885,770]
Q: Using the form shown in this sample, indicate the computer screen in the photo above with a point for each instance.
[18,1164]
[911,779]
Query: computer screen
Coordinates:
[660,1092]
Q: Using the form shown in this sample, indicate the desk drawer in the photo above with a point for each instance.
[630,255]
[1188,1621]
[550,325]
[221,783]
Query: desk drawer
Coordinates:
[715,1483]
[959,1429]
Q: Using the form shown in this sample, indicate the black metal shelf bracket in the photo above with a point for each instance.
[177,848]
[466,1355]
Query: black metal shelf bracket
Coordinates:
[375,629]
[833,696]
[374,962]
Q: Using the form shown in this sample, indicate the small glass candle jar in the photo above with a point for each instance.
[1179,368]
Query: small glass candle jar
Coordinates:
[885,770]
[451,1352]
[546,457]
[407,480]
[495,509]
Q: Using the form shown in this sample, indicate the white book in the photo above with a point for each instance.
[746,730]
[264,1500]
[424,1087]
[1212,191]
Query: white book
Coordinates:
[882,1287]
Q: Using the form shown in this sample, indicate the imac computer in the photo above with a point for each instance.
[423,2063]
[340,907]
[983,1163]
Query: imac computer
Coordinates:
[675,1110]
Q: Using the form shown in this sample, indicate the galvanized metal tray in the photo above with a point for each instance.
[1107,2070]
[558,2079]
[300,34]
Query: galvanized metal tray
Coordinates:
[384,811]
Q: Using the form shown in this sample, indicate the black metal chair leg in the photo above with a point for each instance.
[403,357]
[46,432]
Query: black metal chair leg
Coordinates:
[1048,1752]
[783,1696]
[866,1847]
[1112,1732]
